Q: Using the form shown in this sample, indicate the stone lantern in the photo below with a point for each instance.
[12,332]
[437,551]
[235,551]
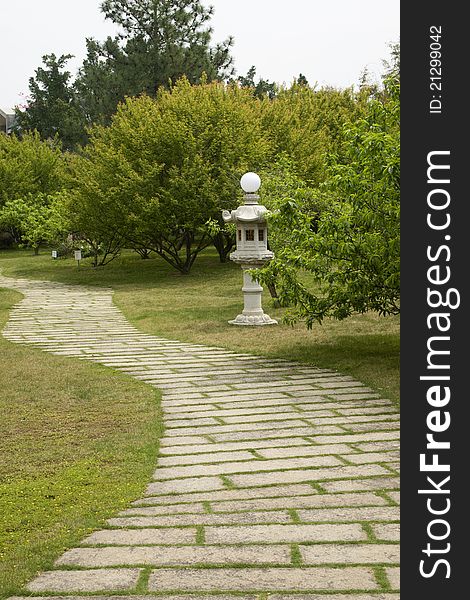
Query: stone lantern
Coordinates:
[252,250]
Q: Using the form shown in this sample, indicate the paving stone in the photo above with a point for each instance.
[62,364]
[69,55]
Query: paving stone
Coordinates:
[339,404]
[369,513]
[290,405]
[297,476]
[373,457]
[245,467]
[169,375]
[347,422]
[350,383]
[228,399]
[177,399]
[379,483]
[373,426]
[199,459]
[277,416]
[285,533]
[253,394]
[211,410]
[297,502]
[306,451]
[208,519]
[358,393]
[284,383]
[393,575]
[170,384]
[85,581]
[172,509]
[232,495]
[182,423]
[135,597]
[384,596]
[201,410]
[172,450]
[389,532]
[175,441]
[311,377]
[168,556]
[267,400]
[136,537]
[360,437]
[367,410]
[380,446]
[230,429]
[194,484]
[350,553]
[235,368]
[320,578]
[395,496]
[183,386]
[187,388]
[275,433]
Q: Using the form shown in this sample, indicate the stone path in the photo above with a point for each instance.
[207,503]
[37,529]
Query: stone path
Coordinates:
[275,480]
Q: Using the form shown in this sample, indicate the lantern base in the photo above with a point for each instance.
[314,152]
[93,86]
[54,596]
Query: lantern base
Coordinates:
[253,320]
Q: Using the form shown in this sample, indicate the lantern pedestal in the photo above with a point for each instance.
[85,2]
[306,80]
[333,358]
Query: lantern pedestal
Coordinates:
[253,313]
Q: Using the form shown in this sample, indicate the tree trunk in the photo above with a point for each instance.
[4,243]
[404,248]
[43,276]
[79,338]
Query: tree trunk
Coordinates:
[223,245]
[274,295]
[144,253]
[272,290]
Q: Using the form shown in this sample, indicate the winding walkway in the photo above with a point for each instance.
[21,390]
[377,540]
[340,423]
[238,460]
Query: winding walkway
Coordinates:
[275,480]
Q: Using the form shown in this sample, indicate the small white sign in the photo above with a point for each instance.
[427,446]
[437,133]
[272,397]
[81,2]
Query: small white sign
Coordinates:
[54,254]
[78,255]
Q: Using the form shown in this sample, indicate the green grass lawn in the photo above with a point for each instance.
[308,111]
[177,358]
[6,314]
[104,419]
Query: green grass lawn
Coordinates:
[196,308]
[78,442]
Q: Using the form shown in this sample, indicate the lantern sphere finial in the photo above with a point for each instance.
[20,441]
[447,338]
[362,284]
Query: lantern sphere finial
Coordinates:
[250,183]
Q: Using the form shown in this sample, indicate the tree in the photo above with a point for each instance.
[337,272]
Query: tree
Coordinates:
[167,166]
[53,108]
[39,219]
[29,166]
[306,124]
[160,41]
[264,88]
[349,243]
[222,236]
[91,204]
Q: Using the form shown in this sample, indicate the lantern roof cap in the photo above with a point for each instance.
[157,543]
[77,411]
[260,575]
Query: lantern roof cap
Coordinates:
[246,213]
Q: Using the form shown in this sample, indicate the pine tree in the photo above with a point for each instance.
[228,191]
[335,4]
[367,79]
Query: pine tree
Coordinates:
[159,41]
[53,108]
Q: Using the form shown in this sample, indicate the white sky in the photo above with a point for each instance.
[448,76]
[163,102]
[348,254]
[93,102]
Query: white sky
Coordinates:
[329,41]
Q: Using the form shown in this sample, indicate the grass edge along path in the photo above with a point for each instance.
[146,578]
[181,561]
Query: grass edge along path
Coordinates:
[63,472]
